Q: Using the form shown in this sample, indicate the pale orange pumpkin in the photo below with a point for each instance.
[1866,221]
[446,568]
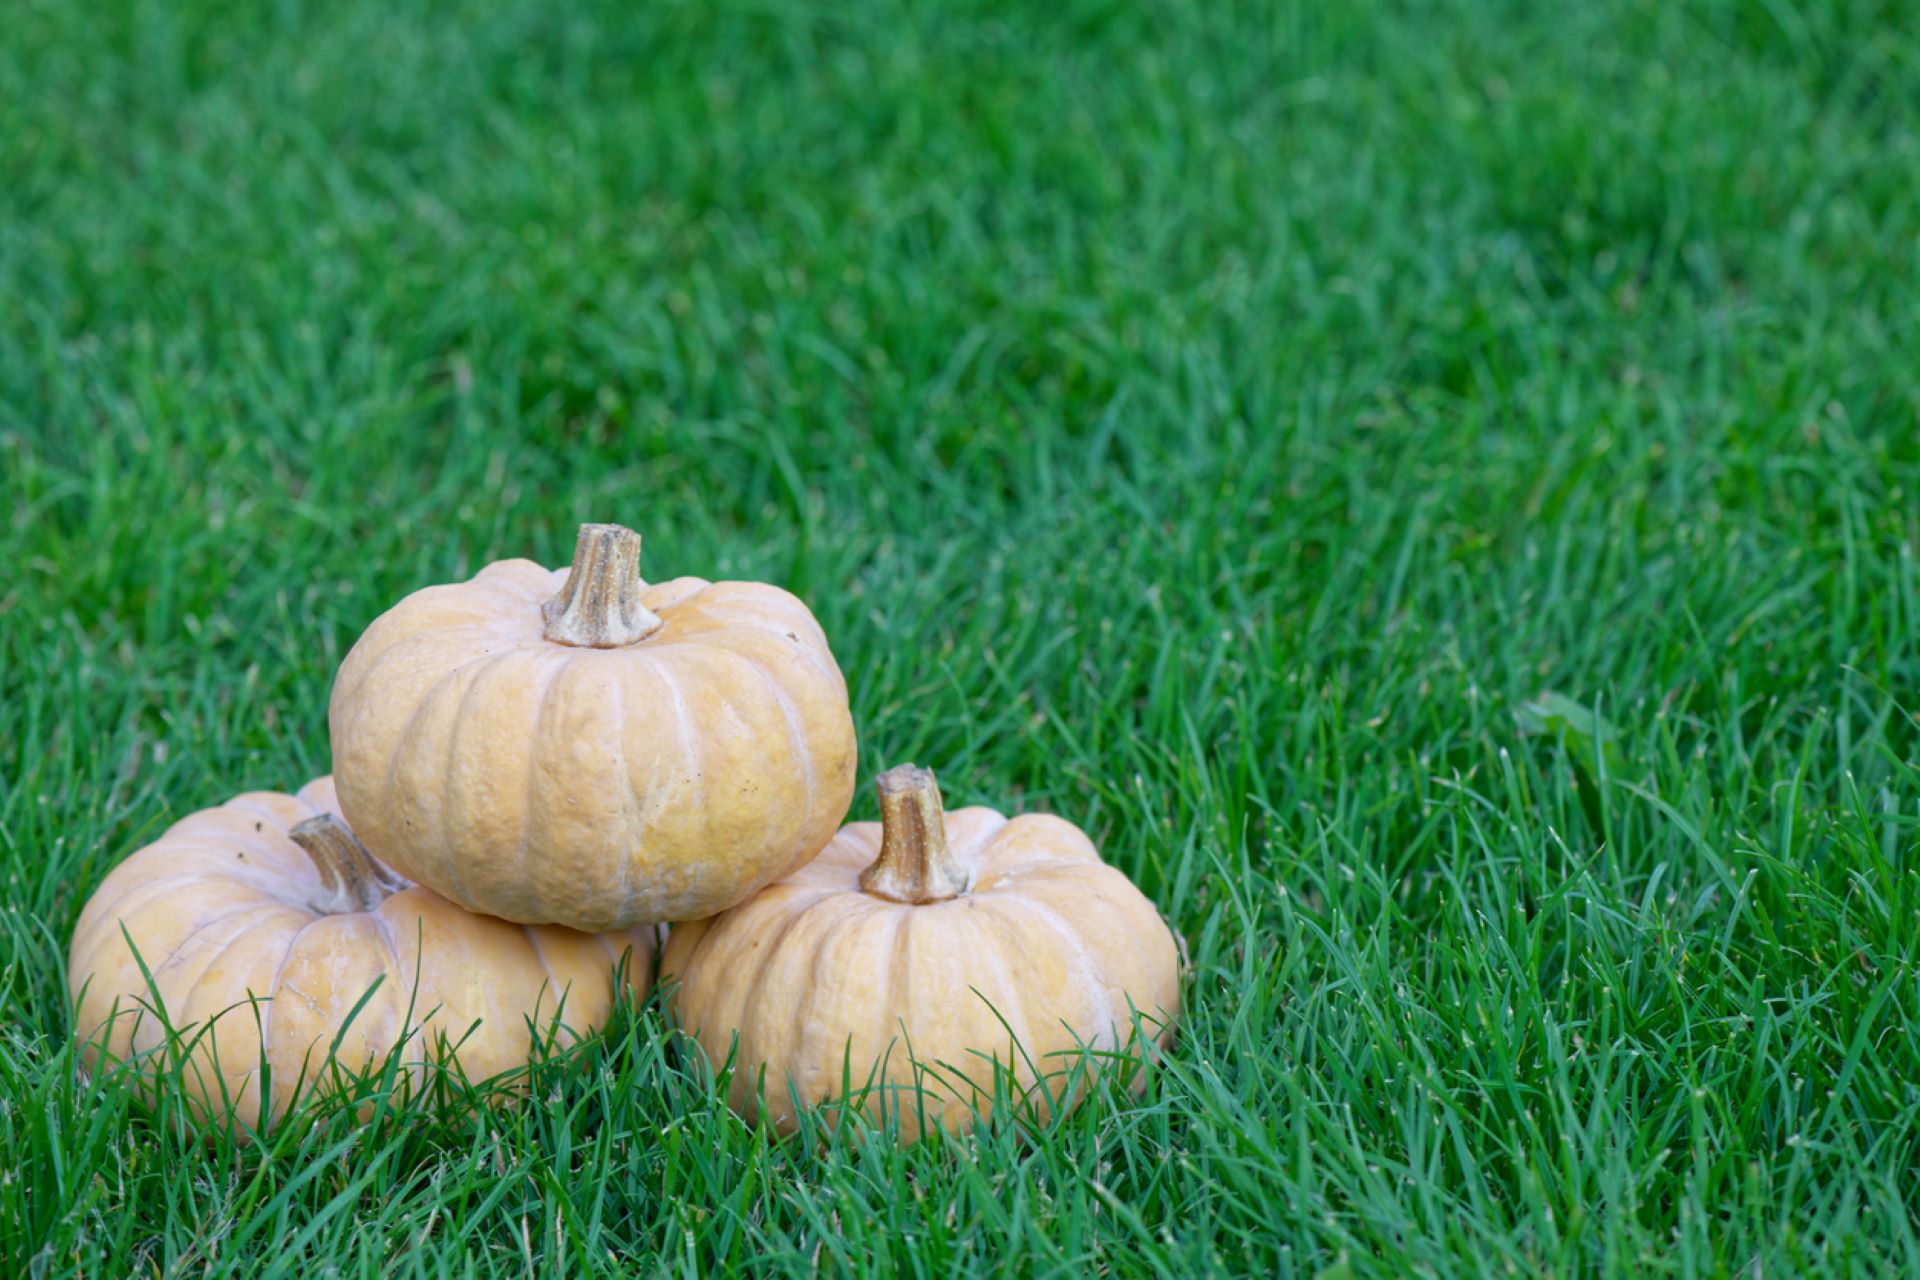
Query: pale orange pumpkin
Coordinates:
[968,943]
[577,747]
[263,923]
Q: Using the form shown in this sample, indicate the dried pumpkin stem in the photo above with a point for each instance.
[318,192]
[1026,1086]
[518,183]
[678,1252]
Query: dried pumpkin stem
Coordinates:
[915,864]
[600,605]
[351,879]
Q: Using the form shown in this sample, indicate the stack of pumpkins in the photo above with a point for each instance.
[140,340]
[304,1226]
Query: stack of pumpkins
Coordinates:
[534,770]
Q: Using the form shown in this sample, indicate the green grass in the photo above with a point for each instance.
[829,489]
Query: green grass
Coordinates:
[1217,423]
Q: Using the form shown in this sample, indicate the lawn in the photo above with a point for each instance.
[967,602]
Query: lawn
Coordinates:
[1432,487]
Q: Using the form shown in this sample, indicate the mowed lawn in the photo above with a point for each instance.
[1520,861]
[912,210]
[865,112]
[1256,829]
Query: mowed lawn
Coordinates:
[1433,488]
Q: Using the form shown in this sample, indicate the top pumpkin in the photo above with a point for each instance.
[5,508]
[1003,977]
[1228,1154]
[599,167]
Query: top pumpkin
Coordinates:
[580,748]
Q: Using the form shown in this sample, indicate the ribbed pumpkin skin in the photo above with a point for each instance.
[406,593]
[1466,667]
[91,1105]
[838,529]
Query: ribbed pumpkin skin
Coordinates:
[219,908]
[821,980]
[597,788]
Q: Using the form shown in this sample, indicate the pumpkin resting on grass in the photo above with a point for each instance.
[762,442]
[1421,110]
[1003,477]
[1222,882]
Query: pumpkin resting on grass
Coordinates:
[577,747]
[270,896]
[948,935]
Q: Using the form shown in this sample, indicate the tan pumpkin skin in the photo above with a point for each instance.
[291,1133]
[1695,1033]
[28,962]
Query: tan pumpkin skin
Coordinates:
[812,972]
[600,788]
[221,909]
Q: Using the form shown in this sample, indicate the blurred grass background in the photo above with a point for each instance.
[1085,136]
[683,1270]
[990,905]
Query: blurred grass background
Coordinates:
[1218,423]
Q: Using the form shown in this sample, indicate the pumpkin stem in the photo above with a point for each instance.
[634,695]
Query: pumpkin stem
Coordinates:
[351,879]
[599,606]
[915,864]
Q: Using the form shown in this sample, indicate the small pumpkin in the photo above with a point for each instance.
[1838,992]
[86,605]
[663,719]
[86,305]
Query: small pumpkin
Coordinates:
[270,899]
[577,747]
[941,938]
